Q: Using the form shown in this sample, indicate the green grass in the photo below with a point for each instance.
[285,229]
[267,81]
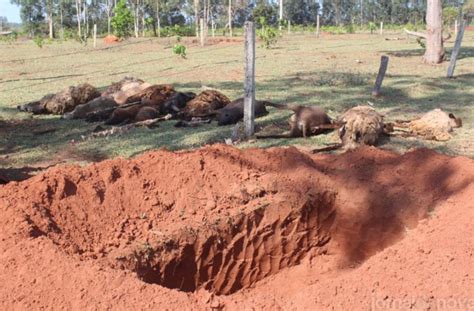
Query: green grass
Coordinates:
[334,71]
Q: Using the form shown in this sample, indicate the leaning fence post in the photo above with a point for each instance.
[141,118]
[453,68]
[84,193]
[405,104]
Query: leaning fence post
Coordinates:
[455,52]
[380,76]
[249,84]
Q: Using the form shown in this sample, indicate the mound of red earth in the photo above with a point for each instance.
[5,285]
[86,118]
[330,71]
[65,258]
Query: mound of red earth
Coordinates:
[110,39]
[229,229]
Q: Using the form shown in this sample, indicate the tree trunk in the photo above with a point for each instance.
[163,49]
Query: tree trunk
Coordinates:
[337,12]
[50,24]
[434,53]
[50,19]
[109,14]
[208,12]
[78,10]
[196,16]
[230,18]
[143,20]
[281,15]
[62,19]
[204,18]
[86,20]
[158,22]
[135,18]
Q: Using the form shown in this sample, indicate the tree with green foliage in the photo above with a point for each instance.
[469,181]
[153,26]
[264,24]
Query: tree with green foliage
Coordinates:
[41,17]
[301,12]
[123,20]
[267,34]
[469,8]
[450,14]
[266,12]
[31,13]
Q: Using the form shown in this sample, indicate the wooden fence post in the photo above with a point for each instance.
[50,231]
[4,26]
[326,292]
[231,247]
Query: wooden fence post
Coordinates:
[289,27]
[95,36]
[456,26]
[457,47]
[317,25]
[381,28]
[380,76]
[249,85]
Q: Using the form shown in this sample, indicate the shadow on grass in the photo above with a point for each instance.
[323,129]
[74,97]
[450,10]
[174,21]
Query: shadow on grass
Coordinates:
[464,52]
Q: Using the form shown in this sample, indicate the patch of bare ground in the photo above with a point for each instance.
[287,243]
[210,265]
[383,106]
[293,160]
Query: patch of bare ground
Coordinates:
[220,221]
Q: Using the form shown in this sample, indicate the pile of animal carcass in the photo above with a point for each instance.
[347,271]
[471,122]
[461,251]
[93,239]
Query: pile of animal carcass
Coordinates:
[133,101]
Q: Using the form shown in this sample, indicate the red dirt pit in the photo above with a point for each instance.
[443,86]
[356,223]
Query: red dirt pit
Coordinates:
[223,228]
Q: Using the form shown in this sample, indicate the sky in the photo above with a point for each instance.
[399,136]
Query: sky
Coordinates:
[11,11]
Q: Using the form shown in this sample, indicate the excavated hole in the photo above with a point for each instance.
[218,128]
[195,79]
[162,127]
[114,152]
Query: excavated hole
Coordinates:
[240,252]
[222,255]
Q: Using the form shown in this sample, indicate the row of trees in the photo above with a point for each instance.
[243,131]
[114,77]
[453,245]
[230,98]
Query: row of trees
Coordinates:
[4,23]
[155,13]
[56,16]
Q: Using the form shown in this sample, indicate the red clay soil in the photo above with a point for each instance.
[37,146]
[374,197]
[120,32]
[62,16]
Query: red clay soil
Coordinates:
[110,39]
[221,228]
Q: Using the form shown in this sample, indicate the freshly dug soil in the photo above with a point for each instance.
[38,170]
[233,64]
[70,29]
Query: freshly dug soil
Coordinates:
[226,229]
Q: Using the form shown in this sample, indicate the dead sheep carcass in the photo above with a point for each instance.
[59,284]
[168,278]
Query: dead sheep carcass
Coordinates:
[361,125]
[62,102]
[433,125]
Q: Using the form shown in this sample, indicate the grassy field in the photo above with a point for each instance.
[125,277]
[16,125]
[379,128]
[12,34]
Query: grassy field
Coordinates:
[334,71]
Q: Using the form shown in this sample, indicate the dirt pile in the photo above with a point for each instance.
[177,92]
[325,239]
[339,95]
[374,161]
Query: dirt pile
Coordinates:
[215,221]
[110,39]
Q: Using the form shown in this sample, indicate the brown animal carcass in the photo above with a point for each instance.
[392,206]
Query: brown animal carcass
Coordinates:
[153,96]
[433,125]
[205,104]
[96,105]
[146,113]
[234,112]
[305,121]
[129,92]
[63,101]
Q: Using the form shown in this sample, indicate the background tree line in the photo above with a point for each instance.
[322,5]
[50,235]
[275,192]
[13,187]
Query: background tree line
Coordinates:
[68,18]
